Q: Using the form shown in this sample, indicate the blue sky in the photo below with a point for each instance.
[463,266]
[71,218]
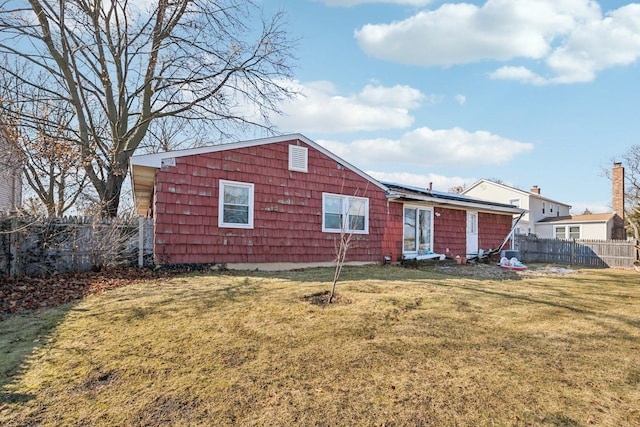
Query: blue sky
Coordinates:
[531,92]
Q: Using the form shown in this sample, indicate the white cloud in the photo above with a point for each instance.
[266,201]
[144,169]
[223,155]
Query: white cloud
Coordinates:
[463,33]
[397,96]
[521,74]
[438,182]
[348,3]
[320,108]
[570,37]
[461,99]
[429,148]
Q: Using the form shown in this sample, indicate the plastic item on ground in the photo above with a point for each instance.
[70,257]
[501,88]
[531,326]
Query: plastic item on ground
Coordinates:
[512,264]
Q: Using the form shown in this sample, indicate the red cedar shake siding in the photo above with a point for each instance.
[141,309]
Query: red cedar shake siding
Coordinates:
[392,241]
[450,231]
[287,223]
[492,229]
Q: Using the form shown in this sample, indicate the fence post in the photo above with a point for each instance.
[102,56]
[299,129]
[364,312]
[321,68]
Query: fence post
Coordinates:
[572,260]
[140,241]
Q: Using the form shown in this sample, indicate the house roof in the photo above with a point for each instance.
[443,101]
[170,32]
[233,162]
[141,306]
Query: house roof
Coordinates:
[144,167]
[603,217]
[403,192]
[523,192]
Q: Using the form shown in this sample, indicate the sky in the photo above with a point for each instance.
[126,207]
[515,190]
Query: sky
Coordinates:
[528,92]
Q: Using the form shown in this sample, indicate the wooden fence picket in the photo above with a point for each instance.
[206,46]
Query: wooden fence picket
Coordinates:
[35,246]
[591,253]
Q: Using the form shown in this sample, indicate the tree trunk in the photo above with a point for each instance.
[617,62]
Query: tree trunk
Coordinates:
[111,197]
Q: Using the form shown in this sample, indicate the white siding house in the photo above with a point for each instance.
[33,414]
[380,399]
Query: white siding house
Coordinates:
[539,208]
[10,179]
[549,219]
[590,227]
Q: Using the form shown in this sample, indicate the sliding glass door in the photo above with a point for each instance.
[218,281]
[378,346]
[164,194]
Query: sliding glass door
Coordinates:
[418,226]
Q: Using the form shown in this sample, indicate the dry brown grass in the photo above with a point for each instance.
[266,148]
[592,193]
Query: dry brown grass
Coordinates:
[403,347]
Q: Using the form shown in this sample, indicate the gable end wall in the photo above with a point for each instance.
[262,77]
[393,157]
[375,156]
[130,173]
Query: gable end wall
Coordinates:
[287,211]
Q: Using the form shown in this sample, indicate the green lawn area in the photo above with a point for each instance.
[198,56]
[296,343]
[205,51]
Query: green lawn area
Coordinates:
[402,347]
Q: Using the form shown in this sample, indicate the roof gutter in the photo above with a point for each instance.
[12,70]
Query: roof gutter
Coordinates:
[395,196]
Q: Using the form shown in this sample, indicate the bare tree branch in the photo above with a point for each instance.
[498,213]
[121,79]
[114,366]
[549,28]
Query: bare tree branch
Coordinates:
[122,69]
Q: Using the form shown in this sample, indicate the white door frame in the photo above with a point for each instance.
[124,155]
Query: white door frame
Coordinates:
[472,233]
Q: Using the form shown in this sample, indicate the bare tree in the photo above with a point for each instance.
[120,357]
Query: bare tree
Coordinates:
[50,160]
[125,65]
[10,171]
[351,218]
[342,245]
[458,189]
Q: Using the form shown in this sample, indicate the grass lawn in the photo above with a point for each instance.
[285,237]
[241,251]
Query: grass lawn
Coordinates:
[402,347]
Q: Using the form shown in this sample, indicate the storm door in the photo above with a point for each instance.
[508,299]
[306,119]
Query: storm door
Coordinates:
[472,233]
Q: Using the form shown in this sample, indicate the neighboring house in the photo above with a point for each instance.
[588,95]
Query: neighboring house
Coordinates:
[591,227]
[539,208]
[10,179]
[286,200]
[550,219]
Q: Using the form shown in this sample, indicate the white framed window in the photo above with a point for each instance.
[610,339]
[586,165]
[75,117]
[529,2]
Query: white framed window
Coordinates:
[544,207]
[345,213]
[235,204]
[575,232]
[551,209]
[567,232]
[298,158]
[417,229]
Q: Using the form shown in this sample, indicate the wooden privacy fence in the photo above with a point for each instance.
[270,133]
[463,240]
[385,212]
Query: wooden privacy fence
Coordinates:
[36,246]
[591,253]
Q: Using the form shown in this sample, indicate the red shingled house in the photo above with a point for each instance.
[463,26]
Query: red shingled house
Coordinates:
[285,200]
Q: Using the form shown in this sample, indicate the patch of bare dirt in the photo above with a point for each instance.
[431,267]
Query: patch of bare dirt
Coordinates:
[548,271]
[322,299]
[478,271]
[495,272]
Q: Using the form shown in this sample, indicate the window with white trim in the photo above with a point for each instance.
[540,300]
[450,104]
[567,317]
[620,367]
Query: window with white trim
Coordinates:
[345,213]
[298,158]
[235,207]
[574,232]
[567,232]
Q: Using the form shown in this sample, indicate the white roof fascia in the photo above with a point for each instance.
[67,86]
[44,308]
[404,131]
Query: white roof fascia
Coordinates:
[576,221]
[395,196]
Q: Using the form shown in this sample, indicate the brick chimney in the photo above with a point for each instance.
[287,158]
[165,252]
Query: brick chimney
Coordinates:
[535,189]
[617,178]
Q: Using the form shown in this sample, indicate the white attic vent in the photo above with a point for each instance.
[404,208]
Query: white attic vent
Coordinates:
[298,158]
[170,161]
